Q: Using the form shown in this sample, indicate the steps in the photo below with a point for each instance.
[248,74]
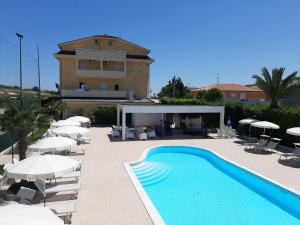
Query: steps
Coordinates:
[150,173]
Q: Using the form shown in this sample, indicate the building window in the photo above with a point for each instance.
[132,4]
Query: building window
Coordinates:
[120,48]
[116,87]
[81,84]
[139,69]
[233,94]
[130,68]
[110,43]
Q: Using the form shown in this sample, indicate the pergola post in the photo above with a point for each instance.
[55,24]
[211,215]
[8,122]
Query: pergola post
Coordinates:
[123,124]
[118,116]
[221,123]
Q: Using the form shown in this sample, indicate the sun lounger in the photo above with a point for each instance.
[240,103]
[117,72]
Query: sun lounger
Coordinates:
[270,146]
[143,136]
[260,144]
[73,175]
[129,134]
[294,155]
[64,210]
[55,188]
[84,140]
[78,150]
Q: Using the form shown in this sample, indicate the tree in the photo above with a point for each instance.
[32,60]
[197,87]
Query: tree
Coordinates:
[210,95]
[175,88]
[36,88]
[20,121]
[214,95]
[56,109]
[274,85]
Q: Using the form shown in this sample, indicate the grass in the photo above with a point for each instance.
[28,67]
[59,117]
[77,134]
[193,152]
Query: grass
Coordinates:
[1,169]
[37,134]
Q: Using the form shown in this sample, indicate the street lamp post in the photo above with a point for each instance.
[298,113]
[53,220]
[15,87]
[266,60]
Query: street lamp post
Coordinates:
[20,36]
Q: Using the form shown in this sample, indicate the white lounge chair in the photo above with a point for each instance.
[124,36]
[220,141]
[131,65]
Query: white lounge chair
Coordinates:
[270,146]
[84,140]
[78,150]
[115,133]
[260,144]
[73,175]
[129,134]
[143,136]
[56,188]
[294,155]
[65,210]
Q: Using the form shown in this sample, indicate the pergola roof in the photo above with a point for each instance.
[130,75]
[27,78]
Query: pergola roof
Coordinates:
[159,108]
[171,109]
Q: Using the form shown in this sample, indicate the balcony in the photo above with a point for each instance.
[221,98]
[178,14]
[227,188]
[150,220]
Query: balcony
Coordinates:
[100,64]
[81,93]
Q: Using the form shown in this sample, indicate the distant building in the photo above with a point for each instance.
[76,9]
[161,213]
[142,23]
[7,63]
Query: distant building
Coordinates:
[103,70]
[236,93]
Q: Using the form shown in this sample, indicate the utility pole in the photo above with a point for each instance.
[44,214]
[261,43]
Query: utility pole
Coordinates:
[174,86]
[39,75]
[20,36]
[218,79]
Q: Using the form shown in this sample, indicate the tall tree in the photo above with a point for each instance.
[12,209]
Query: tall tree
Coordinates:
[174,89]
[274,85]
[20,121]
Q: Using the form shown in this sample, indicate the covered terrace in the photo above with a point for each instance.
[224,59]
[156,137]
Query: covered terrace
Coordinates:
[164,109]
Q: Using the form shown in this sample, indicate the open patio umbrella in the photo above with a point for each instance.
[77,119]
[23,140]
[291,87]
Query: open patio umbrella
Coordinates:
[41,167]
[62,123]
[80,119]
[18,214]
[248,121]
[70,131]
[265,125]
[53,144]
[293,131]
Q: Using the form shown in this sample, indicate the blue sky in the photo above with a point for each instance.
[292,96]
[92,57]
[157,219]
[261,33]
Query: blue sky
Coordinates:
[193,39]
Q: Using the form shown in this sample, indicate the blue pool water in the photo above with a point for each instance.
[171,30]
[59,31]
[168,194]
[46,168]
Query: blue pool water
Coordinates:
[191,186]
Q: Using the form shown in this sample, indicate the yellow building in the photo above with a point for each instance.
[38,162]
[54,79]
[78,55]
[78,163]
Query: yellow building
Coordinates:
[103,70]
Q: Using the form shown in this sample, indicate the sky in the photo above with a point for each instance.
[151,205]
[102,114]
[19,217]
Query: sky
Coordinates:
[195,40]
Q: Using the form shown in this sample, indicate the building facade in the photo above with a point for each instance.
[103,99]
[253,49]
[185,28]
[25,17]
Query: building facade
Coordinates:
[236,93]
[103,70]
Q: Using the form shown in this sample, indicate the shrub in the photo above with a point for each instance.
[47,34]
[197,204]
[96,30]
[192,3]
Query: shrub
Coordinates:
[104,116]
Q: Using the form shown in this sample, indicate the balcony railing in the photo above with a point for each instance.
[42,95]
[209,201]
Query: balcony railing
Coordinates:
[100,73]
[81,93]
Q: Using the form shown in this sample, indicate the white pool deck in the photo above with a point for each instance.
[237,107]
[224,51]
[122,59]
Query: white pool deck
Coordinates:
[107,196]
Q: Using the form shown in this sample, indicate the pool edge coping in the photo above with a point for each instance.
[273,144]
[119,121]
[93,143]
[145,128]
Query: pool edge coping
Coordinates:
[148,204]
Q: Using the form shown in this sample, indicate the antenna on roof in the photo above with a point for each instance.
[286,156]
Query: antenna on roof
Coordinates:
[218,79]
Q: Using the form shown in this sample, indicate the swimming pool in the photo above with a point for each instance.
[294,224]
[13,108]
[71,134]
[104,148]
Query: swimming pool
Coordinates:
[191,186]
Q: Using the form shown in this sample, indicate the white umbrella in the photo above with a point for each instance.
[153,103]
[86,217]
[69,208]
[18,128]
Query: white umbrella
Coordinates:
[80,119]
[248,121]
[70,131]
[265,125]
[53,144]
[62,123]
[16,214]
[293,131]
[41,167]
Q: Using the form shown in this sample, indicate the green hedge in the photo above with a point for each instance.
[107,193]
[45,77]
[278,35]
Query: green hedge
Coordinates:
[104,116]
[285,117]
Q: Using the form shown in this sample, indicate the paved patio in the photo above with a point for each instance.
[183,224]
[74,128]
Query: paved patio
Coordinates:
[107,196]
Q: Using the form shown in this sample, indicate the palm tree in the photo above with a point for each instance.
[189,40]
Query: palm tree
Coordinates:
[20,121]
[275,86]
[56,109]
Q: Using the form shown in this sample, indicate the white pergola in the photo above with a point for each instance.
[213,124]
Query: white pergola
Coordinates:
[166,109]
